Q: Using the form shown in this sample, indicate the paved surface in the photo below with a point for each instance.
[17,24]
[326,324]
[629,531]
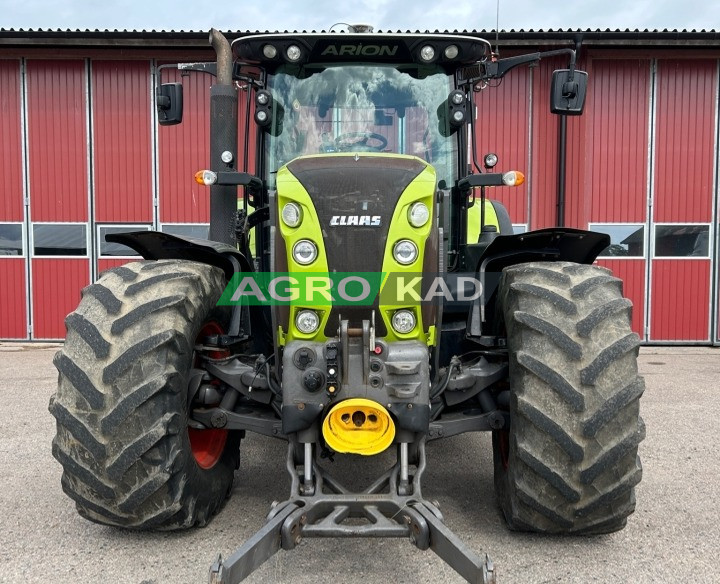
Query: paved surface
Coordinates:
[674,536]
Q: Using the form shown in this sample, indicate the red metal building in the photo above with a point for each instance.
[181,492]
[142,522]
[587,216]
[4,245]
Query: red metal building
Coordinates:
[81,156]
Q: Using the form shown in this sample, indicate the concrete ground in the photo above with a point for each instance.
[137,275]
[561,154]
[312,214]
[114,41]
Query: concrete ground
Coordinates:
[674,535]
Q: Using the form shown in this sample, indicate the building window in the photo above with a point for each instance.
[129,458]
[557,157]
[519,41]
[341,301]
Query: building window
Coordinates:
[197,230]
[59,239]
[11,239]
[519,228]
[682,241]
[626,240]
[108,249]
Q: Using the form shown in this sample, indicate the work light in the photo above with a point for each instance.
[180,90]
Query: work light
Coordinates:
[270,51]
[293,53]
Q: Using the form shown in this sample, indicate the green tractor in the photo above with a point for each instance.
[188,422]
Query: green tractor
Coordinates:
[362,293]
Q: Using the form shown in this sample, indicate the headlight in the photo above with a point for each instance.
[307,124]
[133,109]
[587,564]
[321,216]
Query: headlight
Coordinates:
[490,160]
[405,252]
[292,215]
[403,321]
[307,321]
[418,214]
[304,252]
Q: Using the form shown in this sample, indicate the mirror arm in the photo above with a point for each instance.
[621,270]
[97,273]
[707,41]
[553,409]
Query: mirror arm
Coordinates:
[499,68]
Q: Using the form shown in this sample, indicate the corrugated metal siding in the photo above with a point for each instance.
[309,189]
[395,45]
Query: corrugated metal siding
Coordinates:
[56,293]
[13,309]
[122,141]
[680,302]
[577,204]
[543,178]
[252,154]
[503,128]
[104,264]
[633,275]
[57,140]
[11,202]
[617,146]
[686,92]
[183,150]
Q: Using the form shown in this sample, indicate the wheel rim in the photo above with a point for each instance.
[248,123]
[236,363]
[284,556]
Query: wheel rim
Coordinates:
[207,446]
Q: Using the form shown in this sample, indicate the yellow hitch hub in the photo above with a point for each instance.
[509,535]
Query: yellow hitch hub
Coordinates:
[358,426]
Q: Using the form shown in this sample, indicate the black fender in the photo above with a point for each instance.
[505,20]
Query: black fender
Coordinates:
[553,244]
[544,245]
[155,245]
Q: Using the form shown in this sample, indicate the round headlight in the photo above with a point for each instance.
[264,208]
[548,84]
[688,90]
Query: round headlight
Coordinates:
[418,214]
[291,215]
[403,321]
[307,321]
[405,252]
[458,116]
[491,160]
[451,51]
[427,53]
[262,117]
[304,252]
[269,51]
[226,157]
[293,53]
[262,97]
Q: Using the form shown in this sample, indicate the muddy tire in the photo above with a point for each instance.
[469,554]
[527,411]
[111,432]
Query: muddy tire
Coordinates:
[568,463]
[121,405]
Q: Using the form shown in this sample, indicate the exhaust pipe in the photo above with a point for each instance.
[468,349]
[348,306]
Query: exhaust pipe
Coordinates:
[223,137]
[224,57]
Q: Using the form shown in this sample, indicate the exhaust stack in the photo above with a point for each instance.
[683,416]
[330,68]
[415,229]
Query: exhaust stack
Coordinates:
[223,138]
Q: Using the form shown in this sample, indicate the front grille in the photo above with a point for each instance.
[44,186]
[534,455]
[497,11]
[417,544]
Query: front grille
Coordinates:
[354,186]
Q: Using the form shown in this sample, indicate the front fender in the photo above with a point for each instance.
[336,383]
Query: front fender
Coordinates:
[155,245]
[544,245]
[554,244]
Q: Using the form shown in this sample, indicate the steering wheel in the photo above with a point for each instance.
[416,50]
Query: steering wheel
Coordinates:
[359,141]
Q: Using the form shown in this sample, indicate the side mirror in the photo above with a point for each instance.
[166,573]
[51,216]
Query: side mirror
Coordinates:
[169,104]
[567,96]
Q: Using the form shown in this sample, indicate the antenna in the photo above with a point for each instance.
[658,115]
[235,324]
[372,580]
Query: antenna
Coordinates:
[497,27]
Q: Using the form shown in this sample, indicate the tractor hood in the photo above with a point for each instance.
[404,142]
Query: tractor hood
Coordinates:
[354,209]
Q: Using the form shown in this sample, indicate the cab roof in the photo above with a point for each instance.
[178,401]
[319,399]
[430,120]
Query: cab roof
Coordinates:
[273,50]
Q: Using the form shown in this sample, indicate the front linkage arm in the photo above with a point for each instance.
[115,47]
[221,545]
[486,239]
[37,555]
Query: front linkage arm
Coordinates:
[387,512]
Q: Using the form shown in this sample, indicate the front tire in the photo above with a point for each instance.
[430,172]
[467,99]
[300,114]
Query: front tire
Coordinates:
[121,406]
[568,463]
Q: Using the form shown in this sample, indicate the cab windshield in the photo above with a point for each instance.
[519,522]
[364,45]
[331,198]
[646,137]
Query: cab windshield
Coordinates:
[360,108]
